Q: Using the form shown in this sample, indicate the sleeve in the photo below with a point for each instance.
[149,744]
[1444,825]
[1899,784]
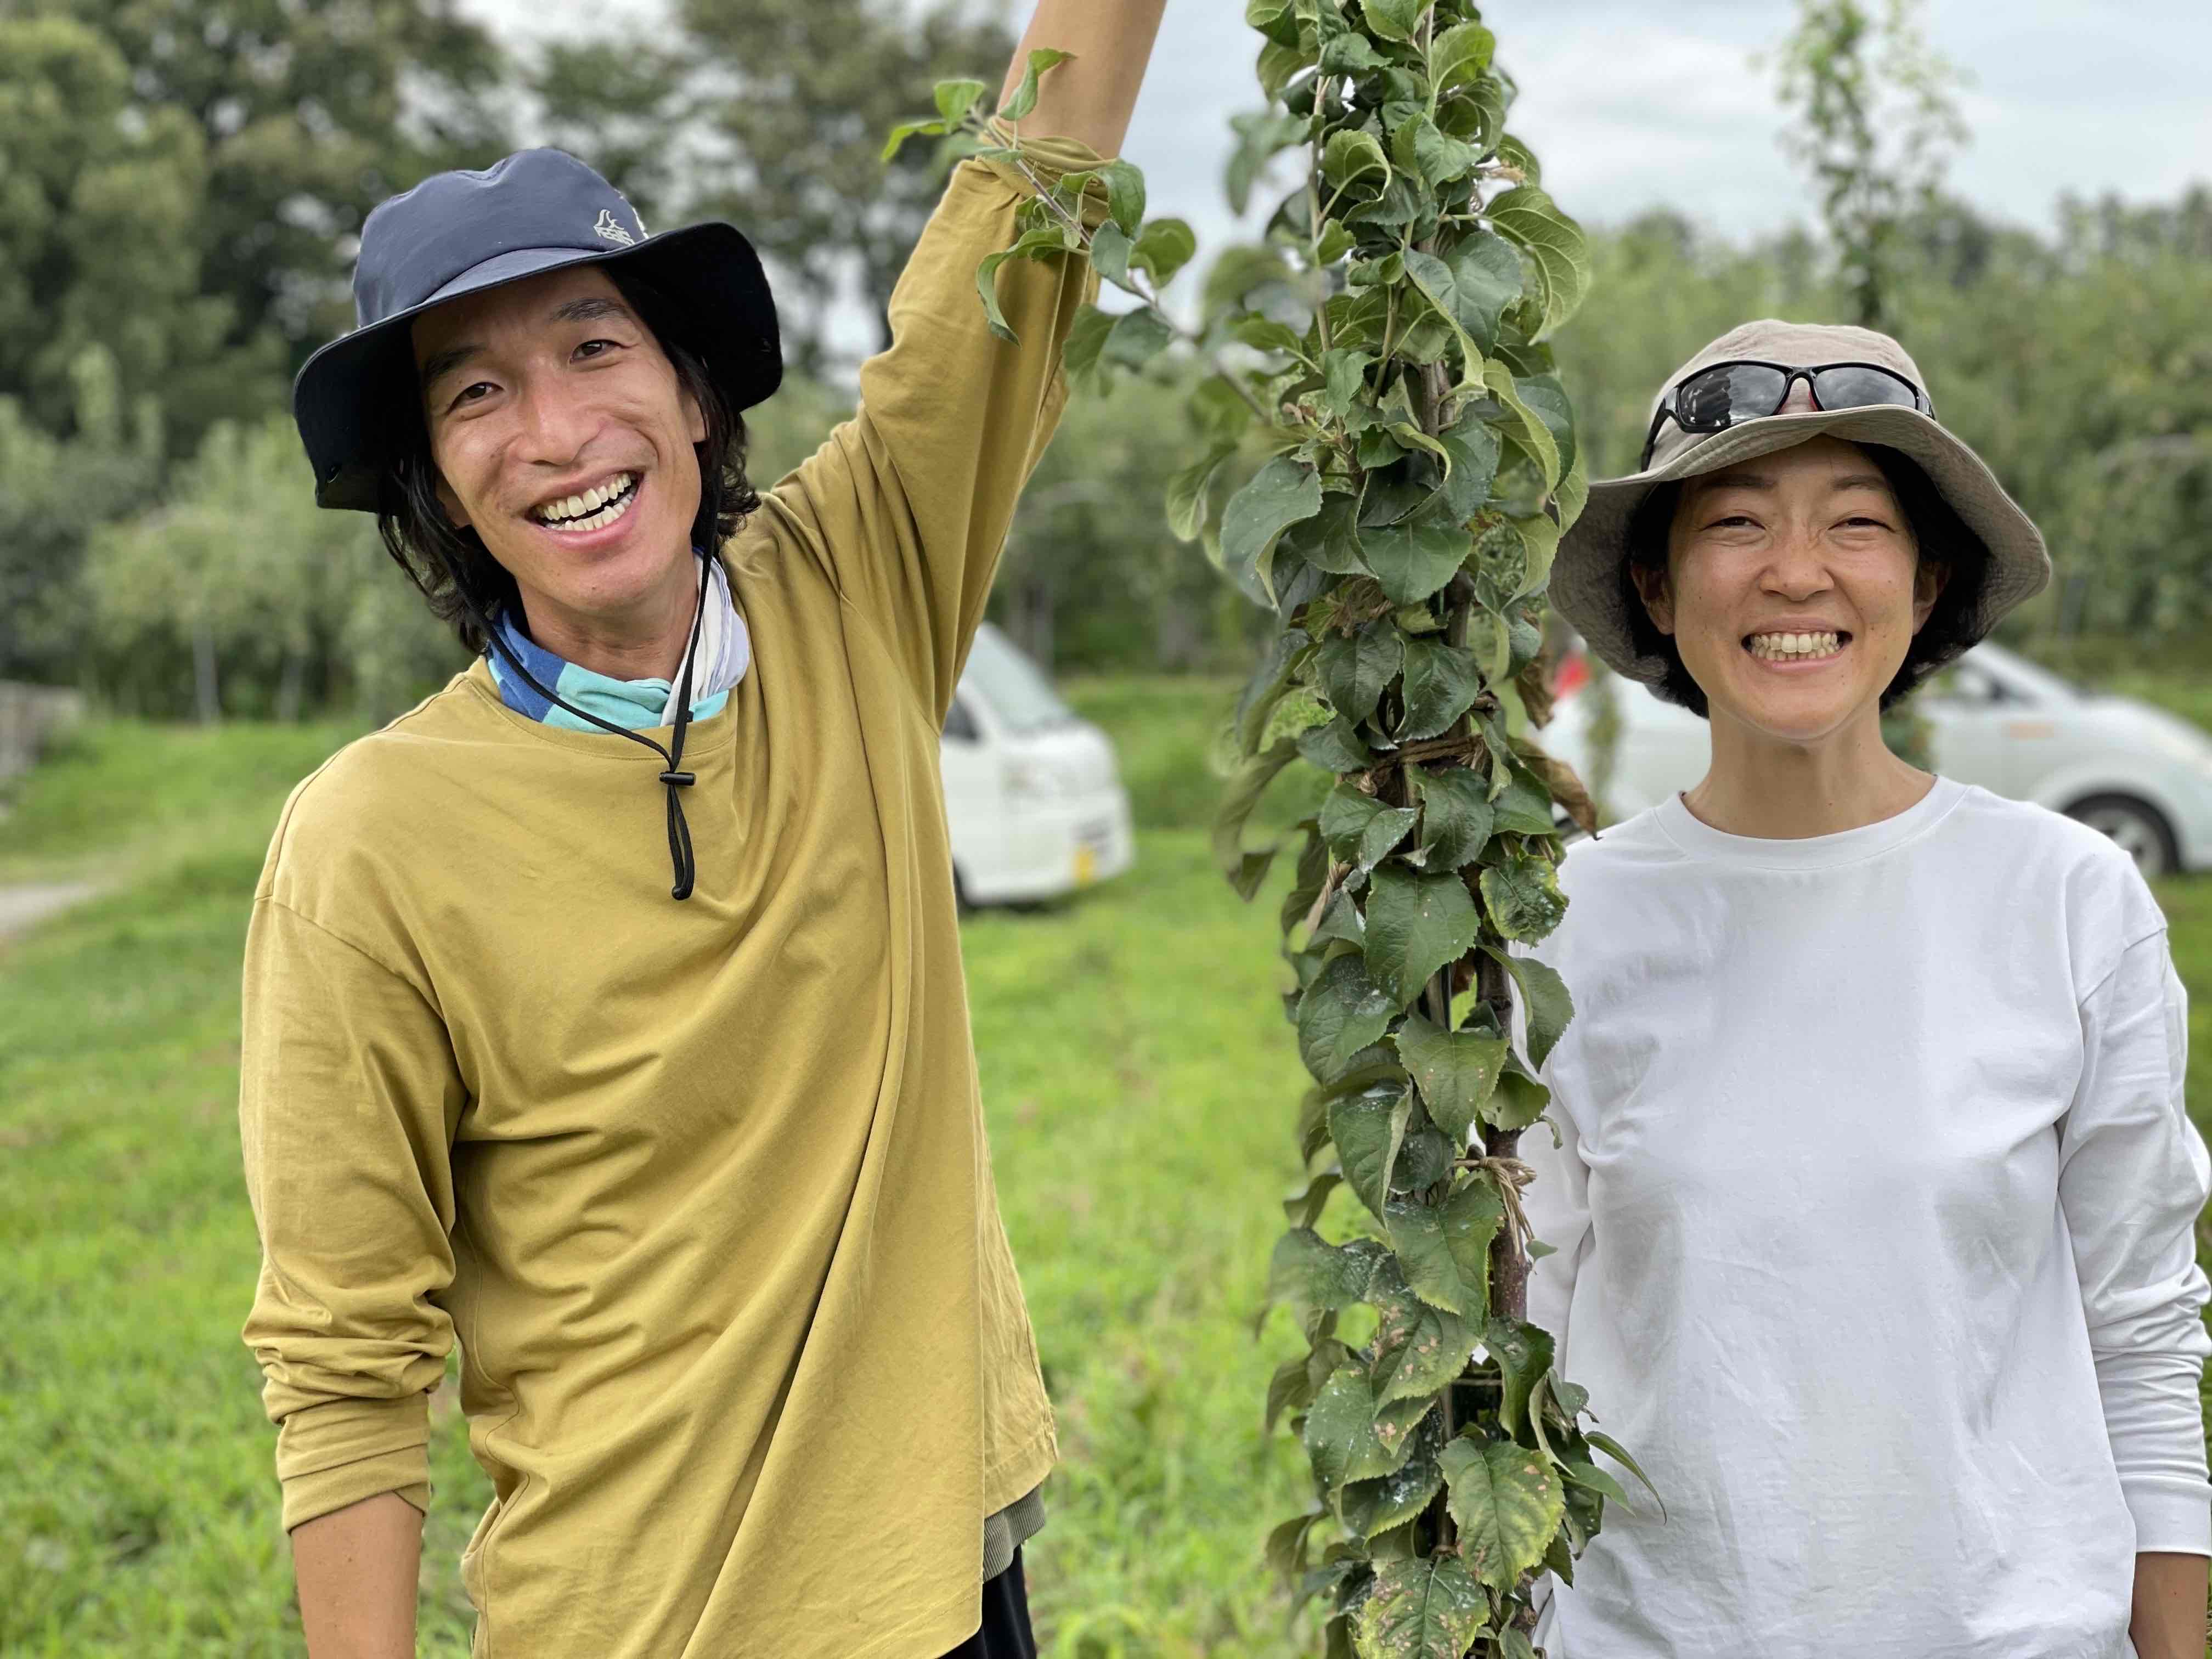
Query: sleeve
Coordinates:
[2133,1175]
[909,501]
[348,1097]
[1556,1199]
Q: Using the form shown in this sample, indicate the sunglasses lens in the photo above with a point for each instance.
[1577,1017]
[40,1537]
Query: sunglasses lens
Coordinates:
[1726,394]
[1856,388]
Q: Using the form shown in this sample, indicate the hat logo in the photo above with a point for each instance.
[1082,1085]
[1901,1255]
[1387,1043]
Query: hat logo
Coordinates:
[609,230]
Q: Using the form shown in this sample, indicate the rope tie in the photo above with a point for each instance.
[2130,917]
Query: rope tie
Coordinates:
[1511,1174]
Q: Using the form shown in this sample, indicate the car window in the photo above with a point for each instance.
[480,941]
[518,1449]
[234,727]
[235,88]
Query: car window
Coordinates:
[1014,686]
[960,724]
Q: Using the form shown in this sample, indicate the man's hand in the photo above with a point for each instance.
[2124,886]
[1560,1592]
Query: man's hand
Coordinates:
[2169,1606]
[1089,100]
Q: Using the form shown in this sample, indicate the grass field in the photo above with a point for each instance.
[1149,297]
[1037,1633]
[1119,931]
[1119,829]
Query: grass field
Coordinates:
[1141,1088]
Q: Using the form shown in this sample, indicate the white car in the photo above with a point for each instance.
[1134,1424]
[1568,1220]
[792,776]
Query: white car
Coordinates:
[1035,806]
[2139,774]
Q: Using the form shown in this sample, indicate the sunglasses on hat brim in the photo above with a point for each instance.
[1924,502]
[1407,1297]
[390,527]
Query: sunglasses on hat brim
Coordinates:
[1720,395]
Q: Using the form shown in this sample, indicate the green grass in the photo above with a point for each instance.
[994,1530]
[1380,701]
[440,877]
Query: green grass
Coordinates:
[1141,1089]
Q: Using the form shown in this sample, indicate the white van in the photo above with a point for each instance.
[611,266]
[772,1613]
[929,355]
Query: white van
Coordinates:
[1035,806]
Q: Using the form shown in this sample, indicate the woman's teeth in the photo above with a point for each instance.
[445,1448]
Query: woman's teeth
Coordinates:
[1795,648]
[594,509]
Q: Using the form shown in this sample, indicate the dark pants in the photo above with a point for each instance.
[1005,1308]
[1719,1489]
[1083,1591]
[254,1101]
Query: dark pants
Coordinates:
[1005,1633]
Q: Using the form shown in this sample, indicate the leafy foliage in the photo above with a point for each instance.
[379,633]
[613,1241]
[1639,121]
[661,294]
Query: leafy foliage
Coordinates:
[1392,462]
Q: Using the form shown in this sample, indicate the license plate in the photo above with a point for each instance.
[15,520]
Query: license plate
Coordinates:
[1086,866]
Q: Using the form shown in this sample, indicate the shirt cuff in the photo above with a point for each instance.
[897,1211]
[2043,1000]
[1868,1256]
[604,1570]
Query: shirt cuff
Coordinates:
[1052,160]
[331,1456]
[2171,1517]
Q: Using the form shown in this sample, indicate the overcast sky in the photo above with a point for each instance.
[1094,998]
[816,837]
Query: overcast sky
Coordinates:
[1630,105]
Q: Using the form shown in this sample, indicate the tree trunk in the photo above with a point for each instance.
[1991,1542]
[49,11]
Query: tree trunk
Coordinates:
[207,693]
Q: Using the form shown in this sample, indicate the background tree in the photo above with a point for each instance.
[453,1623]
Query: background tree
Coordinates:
[771,113]
[1873,121]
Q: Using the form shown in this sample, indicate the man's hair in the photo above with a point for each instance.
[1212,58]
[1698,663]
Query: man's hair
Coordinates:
[449,563]
[1942,536]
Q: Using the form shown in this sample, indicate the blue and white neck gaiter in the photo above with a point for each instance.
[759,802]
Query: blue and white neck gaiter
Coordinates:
[724,652]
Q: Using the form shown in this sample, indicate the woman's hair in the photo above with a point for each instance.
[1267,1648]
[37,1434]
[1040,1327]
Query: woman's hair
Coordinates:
[449,564]
[1941,536]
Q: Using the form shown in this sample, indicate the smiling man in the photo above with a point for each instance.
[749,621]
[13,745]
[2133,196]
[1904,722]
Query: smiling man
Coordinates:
[645,1079]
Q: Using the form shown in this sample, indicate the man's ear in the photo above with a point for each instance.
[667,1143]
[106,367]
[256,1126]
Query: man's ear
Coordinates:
[455,513]
[1657,595]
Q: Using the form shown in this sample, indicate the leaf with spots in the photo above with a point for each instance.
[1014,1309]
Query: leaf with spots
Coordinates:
[1443,1249]
[1419,1347]
[1522,896]
[1339,1014]
[1507,1502]
[1429,1608]
[1456,1072]
[1415,925]
[1368,1128]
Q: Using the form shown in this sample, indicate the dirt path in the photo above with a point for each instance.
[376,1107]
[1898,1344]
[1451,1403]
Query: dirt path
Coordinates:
[25,904]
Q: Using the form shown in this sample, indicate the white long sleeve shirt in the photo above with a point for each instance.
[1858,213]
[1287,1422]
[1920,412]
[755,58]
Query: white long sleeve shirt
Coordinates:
[1873,1215]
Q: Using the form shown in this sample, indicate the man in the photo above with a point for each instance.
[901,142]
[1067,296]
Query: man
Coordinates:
[649,1080]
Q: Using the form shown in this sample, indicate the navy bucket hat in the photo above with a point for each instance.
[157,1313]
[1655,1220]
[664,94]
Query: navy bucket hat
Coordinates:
[461,232]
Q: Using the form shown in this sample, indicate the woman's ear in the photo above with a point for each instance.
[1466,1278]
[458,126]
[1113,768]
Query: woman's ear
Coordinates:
[1657,594]
[1929,579]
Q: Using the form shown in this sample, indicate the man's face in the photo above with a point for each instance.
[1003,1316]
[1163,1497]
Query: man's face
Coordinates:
[563,437]
[1810,540]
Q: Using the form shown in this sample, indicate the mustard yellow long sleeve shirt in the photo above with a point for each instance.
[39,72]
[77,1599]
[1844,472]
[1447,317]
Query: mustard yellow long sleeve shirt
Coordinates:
[701,1189]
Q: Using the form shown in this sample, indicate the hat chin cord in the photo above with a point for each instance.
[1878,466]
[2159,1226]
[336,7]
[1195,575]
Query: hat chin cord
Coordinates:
[679,832]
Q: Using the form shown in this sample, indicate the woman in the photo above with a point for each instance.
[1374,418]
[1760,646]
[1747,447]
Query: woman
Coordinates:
[1873,1199]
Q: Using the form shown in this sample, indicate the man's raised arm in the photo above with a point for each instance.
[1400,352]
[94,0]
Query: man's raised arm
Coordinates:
[909,502]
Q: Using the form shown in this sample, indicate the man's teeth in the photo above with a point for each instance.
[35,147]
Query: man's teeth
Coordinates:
[593,510]
[1777,646]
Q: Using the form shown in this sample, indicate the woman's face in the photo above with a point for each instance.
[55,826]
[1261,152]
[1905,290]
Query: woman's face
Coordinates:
[1806,541]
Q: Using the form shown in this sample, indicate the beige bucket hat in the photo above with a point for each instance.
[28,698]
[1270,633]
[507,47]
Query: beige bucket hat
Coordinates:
[1586,584]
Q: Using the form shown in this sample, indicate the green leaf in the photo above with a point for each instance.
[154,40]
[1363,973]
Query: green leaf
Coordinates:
[1351,54]
[1586,1474]
[1368,1128]
[1530,431]
[1415,925]
[1260,137]
[1519,1102]
[1137,337]
[986,284]
[1313,1274]
[1164,248]
[1544,999]
[1109,255]
[1393,19]
[1611,1447]
[1189,498]
[1125,199]
[1524,805]
[1336,242]
[1456,817]
[1507,1503]
[1369,1507]
[1487,277]
[1344,375]
[1237,802]
[906,130]
[1443,1249]
[1546,396]
[955,98]
[1414,558]
[1473,447]
[1025,95]
[1335,747]
[1280,494]
[1265,687]
[1419,1348]
[1085,340]
[1523,1353]
[1357,668]
[1528,217]
[1266,334]
[1349,154]
[1339,1014]
[1303,1209]
[1540,536]
[1427,1608]
[1343,1440]
[1459,54]
[1279,65]
[1457,1072]
[1522,896]
[1361,831]
[1436,281]
[1330,539]
[1441,682]
[1422,149]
